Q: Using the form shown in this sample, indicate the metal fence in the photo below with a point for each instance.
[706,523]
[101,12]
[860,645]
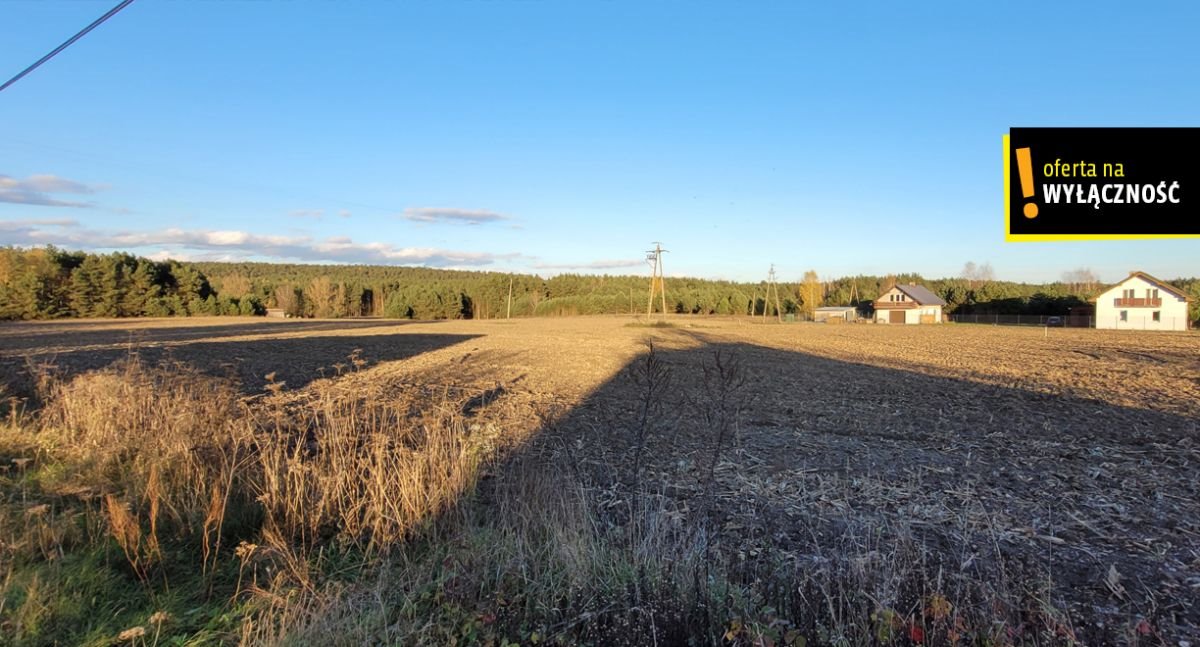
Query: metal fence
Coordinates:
[1077,321]
[1145,323]
[1025,320]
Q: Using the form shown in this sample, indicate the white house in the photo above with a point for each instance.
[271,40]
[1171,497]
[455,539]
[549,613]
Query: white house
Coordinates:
[908,304]
[1142,302]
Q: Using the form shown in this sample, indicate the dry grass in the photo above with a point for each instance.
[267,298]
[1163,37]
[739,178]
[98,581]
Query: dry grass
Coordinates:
[163,455]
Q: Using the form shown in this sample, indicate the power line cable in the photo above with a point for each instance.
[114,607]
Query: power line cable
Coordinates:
[111,12]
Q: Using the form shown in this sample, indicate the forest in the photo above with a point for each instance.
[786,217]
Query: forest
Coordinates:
[44,283]
[49,283]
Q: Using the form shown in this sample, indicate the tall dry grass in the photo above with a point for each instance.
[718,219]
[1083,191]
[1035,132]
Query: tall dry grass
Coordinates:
[368,469]
[342,516]
[163,447]
[164,456]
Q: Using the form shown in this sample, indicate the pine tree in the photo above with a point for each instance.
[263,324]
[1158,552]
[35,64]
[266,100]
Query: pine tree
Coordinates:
[113,285]
[85,287]
[145,290]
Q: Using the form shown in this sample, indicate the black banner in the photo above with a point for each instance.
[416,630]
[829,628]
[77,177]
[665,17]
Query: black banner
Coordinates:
[1073,183]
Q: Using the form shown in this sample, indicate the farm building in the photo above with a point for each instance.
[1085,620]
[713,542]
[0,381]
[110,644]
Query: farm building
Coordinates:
[908,304]
[1142,302]
[836,314]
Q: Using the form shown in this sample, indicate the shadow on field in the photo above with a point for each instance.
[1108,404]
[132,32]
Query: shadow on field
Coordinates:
[42,336]
[294,360]
[833,464]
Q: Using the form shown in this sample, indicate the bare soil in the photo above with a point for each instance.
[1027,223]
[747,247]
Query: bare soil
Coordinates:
[1007,453]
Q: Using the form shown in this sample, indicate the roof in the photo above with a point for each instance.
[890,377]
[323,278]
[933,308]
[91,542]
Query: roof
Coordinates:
[1159,282]
[920,294]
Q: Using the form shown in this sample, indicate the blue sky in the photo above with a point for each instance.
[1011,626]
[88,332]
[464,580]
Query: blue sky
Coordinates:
[552,137]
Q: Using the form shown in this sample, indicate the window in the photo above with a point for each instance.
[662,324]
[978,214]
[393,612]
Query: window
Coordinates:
[1157,315]
[1155,294]
[1124,315]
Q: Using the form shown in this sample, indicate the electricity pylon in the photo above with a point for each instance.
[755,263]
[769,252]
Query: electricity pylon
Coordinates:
[772,285]
[654,257]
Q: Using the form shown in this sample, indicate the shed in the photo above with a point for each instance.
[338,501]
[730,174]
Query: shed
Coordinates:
[836,314]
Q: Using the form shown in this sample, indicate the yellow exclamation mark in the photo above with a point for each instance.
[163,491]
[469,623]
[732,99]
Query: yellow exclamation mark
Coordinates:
[1025,170]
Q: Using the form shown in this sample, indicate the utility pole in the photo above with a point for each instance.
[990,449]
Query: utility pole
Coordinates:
[510,282]
[772,285]
[654,257]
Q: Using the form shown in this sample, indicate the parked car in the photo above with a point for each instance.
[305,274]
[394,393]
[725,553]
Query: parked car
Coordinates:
[1055,321]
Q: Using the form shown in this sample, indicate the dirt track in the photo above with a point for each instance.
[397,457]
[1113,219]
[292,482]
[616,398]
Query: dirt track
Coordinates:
[1068,453]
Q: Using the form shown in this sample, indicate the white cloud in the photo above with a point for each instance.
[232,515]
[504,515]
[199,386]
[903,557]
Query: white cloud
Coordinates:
[239,245]
[460,216]
[165,255]
[40,222]
[36,189]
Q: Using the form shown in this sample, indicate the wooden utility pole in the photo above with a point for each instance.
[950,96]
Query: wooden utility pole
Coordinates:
[654,257]
[779,309]
[510,282]
[772,289]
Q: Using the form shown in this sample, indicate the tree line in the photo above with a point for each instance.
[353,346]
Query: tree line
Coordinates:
[48,282]
[425,293]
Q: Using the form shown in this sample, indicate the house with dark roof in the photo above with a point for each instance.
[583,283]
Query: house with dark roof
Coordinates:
[1142,302]
[908,304]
